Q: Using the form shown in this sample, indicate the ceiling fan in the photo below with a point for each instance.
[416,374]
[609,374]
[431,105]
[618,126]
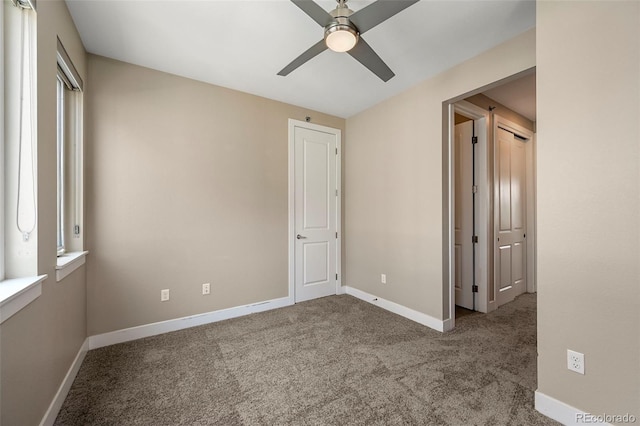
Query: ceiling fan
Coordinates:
[343,29]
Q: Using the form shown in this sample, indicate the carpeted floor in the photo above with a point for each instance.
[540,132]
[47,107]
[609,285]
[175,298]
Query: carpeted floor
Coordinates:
[330,361]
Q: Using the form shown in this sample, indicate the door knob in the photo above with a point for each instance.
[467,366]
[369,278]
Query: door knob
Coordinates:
[300,237]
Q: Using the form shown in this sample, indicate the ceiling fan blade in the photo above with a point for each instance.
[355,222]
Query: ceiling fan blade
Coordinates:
[378,12]
[310,53]
[364,54]
[316,13]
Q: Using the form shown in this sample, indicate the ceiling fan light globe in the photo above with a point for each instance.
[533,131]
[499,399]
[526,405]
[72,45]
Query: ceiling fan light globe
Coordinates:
[341,38]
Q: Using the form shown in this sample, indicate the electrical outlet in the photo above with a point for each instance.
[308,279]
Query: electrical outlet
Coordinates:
[575,361]
[383,278]
[164,295]
[206,288]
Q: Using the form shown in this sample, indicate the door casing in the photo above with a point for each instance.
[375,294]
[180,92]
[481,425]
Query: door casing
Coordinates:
[464,213]
[291,205]
[481,118]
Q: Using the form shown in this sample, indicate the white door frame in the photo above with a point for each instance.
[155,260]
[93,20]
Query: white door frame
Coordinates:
[530,214]
[292,224]
[475,113]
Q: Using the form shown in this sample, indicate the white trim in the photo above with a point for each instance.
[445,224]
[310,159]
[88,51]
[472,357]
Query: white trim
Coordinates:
[483,201]
[342,290]
[448,324]
[339,210]
[69,262]
[532,206]
[470,110]
[54,408]
[475,113]
[17,293]
[147,330]
[401,310]
[500,121]
[450,242]
[560,411]
[292,214]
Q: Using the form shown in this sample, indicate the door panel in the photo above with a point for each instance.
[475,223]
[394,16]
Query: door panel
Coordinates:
[463,214]
[505,268]
[517,264]
[316,171]
[517,185]
[316,263]
[504,179]
[511,208]
[315,213]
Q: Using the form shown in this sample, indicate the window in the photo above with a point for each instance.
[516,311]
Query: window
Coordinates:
[18,189]
[69,219]
[69,155]
[19,282]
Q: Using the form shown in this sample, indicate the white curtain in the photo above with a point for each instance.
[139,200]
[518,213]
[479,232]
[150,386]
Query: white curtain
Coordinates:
[26,203]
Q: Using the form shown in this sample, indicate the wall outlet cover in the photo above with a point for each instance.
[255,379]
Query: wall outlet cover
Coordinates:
[575,361]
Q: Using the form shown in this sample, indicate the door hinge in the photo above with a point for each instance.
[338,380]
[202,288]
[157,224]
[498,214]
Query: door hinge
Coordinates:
[336,151]
[474,239]
[336,192]
[474,139]
[336,235]
[336,277]
[76,230]
[474,288]
[474,188]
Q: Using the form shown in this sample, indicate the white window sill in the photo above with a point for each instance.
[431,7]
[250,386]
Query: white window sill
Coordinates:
[17,293]
[69,262]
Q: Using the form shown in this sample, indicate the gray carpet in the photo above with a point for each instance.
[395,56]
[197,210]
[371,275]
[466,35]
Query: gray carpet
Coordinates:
[330,361]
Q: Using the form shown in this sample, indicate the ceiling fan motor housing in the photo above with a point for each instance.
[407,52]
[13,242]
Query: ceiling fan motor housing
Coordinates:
[340,24]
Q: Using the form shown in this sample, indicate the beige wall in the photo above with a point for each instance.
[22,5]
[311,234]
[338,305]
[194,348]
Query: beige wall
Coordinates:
[39,343]
[588,79]
[187,184]
[394,181]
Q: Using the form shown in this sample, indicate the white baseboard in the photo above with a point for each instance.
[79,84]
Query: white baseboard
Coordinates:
[341,290]
[564,413]
[54,408]
[401,310]
[448,324]
[147,330]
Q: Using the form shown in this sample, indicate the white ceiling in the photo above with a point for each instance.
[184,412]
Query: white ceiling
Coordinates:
[242,44]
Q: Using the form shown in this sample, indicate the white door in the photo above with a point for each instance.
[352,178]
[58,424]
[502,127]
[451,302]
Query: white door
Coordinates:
[510,208]
[463,215]
[315,199]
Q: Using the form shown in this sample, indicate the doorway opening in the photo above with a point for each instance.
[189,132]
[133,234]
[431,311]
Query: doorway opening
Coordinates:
[491,196]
